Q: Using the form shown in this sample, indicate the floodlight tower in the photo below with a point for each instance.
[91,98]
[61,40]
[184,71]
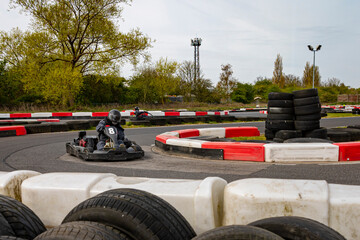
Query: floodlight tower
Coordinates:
[314,50]
[196,42]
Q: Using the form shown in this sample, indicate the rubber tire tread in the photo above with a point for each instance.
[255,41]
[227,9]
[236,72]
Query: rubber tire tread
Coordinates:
[271,117]
[139,214]
[5,228]
[280,125]
[238,232]
[308,117]
[5,237]
[280,110]
[287,134]
[307,109]
[291,228]
[338,136]
[280,103]
[82,230]
[269,134]
[311,92]
[307,125]
[306,101]
[21,219]
[280,96]
[316,133]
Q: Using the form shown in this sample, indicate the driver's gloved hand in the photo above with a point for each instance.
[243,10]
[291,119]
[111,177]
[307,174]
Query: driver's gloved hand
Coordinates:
[101,129]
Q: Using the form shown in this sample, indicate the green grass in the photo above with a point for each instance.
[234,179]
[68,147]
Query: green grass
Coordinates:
[261,137]
[338,115]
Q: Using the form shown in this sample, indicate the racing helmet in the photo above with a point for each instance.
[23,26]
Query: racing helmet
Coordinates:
[136,108]
[114,116]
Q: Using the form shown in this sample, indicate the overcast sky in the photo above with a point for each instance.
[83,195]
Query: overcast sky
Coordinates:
[248,34]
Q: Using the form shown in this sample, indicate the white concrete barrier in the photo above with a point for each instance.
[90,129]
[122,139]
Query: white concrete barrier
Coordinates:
[157,113]
[216,132]
[41,114]
[52,195]
[183,142]
[82,114]
[191,114]
[4,115]
[10,182]
[301,152]
[345,210]
[253,199]
[199,201]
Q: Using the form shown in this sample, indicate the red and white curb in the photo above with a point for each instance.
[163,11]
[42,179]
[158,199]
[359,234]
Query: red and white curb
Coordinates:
[206,204]
[261,152]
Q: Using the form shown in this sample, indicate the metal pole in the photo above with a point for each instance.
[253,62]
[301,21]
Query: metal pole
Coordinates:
[314,71]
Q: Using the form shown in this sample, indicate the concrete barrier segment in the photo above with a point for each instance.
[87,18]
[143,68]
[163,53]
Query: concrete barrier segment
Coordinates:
[183,142]
[82,114]
[240,151]
[4,115]
[52,195]
[157,113]
[201,113]
[241,132]
[10,182]
[188,133]
[253,199]
[20,130]
[344,210]
[216,132]
[20,115]
[100,114]
[349,151]
[164,137]
[62,114]
[301,152]
[41,114]
[172,114]
[191,114]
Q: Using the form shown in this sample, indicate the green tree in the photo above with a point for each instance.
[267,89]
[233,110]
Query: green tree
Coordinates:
[243,92]
[307,79]
[278,77]
[263,87]
[227,82]
[186,84]
[142,85]
[79,37]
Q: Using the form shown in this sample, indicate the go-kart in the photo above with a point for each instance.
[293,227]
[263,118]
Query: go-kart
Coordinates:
[85,147]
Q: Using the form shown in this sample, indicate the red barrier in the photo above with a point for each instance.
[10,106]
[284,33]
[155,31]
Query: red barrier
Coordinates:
[163,137]
[172,114]
[62,114]
[188,133]
[349,151]
[20,115]
[100,114]
[241,132]
[239,151]
[20,130]
[201,113]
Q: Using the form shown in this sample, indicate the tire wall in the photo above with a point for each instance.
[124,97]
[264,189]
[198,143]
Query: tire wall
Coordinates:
[205,204]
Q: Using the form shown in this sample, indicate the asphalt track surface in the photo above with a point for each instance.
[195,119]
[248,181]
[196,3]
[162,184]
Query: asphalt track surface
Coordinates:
[46,153]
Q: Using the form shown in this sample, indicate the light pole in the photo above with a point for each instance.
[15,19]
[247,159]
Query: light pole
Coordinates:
[314,50]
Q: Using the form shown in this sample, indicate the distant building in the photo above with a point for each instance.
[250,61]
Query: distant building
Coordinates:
[348,98]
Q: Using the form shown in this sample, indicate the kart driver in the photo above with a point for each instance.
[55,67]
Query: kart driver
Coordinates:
[113,119]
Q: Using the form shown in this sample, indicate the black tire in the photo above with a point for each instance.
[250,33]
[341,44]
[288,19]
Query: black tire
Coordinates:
[316,133]
[278,140]
[307,109]
[354,126]
[22,220]
[280,103]
[354,133]
[280,96]
[307,125]
[309,117]
[237,232]
[306,101]
[4,237]
[271,117]
[294,228]
[280,110]
[139,214]
[280,125]
[312,92]
[5,228]
[287,134]
[82,230]
[269,134]
[338,136]
[307,140]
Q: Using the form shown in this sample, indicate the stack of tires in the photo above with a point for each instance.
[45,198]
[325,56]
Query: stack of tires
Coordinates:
[356,110]
[280,116]
[307,109]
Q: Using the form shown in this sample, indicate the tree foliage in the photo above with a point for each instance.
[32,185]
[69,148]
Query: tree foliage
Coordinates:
[278,77]
[243,93]
[227,82]
[307,79]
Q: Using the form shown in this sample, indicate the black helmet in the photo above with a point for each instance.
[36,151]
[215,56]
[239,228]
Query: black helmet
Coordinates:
[114,116]
[136,108]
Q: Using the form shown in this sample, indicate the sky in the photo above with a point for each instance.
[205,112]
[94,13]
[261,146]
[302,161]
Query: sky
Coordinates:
[248,34]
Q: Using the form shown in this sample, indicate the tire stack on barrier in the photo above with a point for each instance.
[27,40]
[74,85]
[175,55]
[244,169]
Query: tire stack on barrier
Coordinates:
[280,115]
[307,110]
